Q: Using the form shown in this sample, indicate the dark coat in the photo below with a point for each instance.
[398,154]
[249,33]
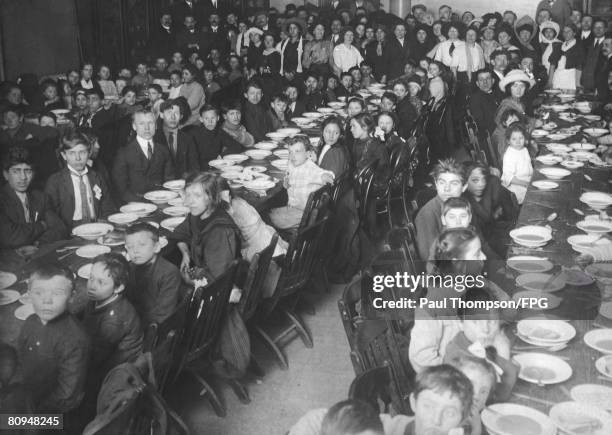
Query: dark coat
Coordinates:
[601,80]
[161,42]
[593,59]
[336,160]
[397,56]
[483,107]
[134,175]
[407,116]
[16,232]
[256,121]
[60,191]
[186,158]
[211,144]
[299,109]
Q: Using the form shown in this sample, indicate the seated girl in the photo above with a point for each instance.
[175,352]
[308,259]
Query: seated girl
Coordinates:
[332,155]
[498,138]
[232,114]
[516,168]
[368,148]
[386,131]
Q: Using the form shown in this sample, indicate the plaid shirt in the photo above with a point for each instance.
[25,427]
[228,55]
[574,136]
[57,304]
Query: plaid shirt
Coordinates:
[303,180]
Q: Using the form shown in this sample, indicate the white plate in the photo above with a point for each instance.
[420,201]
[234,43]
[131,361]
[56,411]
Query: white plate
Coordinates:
[558,136]
[176,202]
[122,218]
[529,264]
[531,236]
[220,163]
[583,242]
[9,296]
[24,311]
[600,340]
[141,209]
[92,231]
[300,120]
[549,299]
[546,331]
[558,148]
[175,185]
[583,146]
[336,104]
[553,91]
[113,238]
[255,168]
[576,277]
[542,368]
[60,112]
[160,196]
[604,366]
[545,184]
[582,156]
[539,133]
[325,110]
[537,282]
[571,164]
[233,168]
[92,251]
[171,223]
[231,175]
[84,271]
[554,173]
[549,159]
[513,419]
[236,158]
[259,184]
[596,200]
[312,115]
[592,117]
[283,154]
[280,164]
[7,279]
[597,396]
[265,146]
[289,131]
[595,132]
[570,416]
[258,154]
[593,227]
[176,210]
[274,135]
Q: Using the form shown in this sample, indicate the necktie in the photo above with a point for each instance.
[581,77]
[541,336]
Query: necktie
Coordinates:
[26,209]
[451,49]
[85,214]
[172,143]
[379,49]
[149,151]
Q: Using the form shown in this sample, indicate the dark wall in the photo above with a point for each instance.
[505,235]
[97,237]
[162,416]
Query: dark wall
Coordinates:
[38,36]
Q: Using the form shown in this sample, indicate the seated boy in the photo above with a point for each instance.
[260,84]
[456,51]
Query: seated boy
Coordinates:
[154,282]
[450,182]
[303,177]
[278,112]
[345,88]
[110,319]
[26,217]
[255,115]
[78,194]
[441,401]
[156,98]
[53,347]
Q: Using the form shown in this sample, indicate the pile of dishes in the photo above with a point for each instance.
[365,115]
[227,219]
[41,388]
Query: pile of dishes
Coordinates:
[545,333]
[531,236]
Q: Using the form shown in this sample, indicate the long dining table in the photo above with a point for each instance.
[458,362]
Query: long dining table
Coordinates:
[580,304]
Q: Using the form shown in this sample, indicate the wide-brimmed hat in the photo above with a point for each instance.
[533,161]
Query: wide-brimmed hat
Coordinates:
[297,21]
[516,75]
[550,25]
[253,30]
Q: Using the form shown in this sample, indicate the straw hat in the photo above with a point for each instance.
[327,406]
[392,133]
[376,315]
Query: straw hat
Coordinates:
[516,75]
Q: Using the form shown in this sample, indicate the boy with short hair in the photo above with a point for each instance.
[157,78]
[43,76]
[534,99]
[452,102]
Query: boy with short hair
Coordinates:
[345,88]
[155,98]
[277,113]
[295,107]
[450,182]
[53,347]
[303,177]
[110,319]
[256,120]
[77,193]
[47,119]
[154,282]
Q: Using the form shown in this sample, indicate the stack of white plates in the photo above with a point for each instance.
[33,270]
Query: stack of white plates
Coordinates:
[160,196]
[545,332]
[92,231]
[531,236]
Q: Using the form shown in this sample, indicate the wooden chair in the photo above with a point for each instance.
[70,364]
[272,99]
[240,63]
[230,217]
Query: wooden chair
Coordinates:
[317,208]
[297,268]
[403,240]
[347,306]
[205,313]
[400,169]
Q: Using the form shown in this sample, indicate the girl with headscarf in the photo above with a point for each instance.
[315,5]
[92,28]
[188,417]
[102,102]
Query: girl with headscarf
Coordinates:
[566,62]
[549,30]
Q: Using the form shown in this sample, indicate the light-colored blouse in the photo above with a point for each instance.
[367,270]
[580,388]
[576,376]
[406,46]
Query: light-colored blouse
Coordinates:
[346,57]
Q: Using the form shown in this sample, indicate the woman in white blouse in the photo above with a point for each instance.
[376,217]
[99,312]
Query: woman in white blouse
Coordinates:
[346,55]
[444,51]
[467,59]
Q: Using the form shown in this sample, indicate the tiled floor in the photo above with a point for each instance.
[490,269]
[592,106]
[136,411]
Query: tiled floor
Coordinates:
[317,377]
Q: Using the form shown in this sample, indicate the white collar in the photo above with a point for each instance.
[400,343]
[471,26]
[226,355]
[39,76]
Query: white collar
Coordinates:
[74,171]
[166,27]
[586,33]
[567,45]
[23,196]
[144,143]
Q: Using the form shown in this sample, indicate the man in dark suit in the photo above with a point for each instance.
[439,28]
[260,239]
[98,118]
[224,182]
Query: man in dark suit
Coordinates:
[295,107]
[216,36]
[602,75]
[398,51]
[163,38]
[181,145]
[103,121]
[26,219]
[210,7]
[586,31]
[336,28]
[142,165]
[594,57]
[483,105]
[183,8]
[191,39]
[77,193]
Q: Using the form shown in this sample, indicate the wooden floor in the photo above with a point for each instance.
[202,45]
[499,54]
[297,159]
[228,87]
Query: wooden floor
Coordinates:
[316,378]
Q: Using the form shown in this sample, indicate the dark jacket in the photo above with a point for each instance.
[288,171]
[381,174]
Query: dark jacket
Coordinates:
[133,174]
[336,160]
[397,56]
[186,159]
[16,232]
[601,80]
[483,107]
[256,121]
[60,191]
[299,109]
[211,144]
[574,56]
[161,41]
[407,116]
[54,360]
[379,63]
[154,290]
[593,59]
[214,242]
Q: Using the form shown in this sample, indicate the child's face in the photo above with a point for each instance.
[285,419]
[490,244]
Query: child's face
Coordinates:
[331,133]
[357,130]
[175,81]
[347,81]
[297,154]
[386,105]
[101,285]
[449,185]
[197,199]
[436,413]
[477,182]
[481,381]
[81,101]
[517,140]
[154,95]
[311,84]
[354,108]
[104,73]
[279,106]
[141,247]
[413,89]
[177,58]
[50,92]
[120,84]
[142,69]
[481,330]
[76,157]
[456,218]
[386,124]
[356,74]
[292,94]
[209,119]
[94,102]
[50,296]
[233,117]
[400,90]
[332,83]
[130,98]
[47,121]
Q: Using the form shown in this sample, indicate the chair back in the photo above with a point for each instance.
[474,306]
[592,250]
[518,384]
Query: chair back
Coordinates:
[205,313]
[317,207]
[341,185]
[365,192]
[256,277]
[403,240]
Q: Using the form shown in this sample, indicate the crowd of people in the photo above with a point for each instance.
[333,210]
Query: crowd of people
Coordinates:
[77,146]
